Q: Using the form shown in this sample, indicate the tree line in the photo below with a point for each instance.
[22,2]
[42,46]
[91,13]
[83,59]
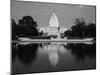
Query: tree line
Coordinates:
[81,30]
[26,27]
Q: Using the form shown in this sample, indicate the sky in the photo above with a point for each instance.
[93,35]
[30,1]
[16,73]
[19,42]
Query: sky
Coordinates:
[42,12]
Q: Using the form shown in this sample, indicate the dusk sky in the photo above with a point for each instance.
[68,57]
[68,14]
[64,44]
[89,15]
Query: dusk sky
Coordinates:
[42,12]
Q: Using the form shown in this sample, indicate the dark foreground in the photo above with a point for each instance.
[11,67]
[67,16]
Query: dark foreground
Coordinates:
[51,57]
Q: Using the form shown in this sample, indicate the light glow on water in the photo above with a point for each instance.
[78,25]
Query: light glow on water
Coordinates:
[52,56]
[53,51]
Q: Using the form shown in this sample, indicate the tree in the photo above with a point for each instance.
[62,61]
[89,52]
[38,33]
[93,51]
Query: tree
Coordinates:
[80,27]
[27,26]
[79,21]
[81,30]
[41,33]
[14,29]
[90,30]
[28,21]
[67,33]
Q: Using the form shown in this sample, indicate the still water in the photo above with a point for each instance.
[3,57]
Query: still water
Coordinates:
[52,56]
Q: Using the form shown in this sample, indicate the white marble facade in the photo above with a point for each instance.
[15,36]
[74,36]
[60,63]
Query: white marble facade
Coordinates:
[52,29]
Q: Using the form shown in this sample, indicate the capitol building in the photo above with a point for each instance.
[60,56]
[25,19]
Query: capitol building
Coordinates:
[53,29]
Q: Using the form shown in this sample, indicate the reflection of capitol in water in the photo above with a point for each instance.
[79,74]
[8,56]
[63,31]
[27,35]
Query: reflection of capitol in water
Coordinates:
[50,56]
[53,51]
